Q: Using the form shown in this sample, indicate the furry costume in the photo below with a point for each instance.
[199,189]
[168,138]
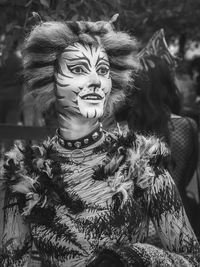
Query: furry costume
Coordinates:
[91,206]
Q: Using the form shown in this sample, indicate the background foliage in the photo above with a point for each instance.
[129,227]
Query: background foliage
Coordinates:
[179,18]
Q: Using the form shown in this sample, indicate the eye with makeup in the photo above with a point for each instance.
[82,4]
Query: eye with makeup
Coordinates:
[77,69]
[103,70]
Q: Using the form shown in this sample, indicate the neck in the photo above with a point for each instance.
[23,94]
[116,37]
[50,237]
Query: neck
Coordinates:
[76,127]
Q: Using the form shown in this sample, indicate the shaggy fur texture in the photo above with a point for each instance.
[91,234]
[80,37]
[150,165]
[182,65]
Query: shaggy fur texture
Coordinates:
[47,41]
[143,154]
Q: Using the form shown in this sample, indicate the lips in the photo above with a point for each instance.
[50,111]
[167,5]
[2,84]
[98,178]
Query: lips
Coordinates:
[91,97]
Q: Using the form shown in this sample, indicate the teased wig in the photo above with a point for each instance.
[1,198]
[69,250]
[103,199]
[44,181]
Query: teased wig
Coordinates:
[47,41]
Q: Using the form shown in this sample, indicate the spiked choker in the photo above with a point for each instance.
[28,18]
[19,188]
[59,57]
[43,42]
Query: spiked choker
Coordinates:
[83,142]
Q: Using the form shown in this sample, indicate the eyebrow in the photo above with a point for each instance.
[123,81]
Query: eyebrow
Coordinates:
[101,59]
[78,58]
[71,49]
[82,63]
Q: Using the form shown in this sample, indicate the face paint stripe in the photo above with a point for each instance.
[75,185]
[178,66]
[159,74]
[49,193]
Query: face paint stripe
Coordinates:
[77,45]
[71,50]
[90,47]
[59,97]
[63,129]
[73,59]
[96,48]
[102,59]
[76,93]
[61,85]
[66,107]
[62,74]
[63,116]
[85,46]
[76,108]
[86,58]
[95,113]
[67,115]
[76,58]
[79,66]
[65,75]
[80,58]
[84,64]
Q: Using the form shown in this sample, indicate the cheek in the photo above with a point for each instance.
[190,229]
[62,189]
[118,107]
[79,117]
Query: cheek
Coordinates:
[64,93]
[66,87]
[107,85]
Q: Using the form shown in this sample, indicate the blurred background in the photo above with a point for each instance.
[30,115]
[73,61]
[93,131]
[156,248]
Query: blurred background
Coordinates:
[142,18]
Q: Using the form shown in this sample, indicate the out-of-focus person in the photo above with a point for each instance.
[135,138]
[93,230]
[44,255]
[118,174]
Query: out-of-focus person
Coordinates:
[154,107]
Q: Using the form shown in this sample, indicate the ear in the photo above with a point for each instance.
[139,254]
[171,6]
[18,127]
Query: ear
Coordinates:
[114,18]
[37,17]
[157,46]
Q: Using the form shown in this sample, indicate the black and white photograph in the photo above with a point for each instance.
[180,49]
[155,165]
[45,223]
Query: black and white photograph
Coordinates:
[99,133]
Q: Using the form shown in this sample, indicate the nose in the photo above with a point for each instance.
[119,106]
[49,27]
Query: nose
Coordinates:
[94,81]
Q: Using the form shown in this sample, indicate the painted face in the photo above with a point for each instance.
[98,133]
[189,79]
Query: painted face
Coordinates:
[83,80]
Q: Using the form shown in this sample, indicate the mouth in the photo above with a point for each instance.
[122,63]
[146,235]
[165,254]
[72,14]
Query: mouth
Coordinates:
[91,97]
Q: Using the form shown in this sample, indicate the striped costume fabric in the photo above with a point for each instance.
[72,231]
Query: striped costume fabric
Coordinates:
[74,210]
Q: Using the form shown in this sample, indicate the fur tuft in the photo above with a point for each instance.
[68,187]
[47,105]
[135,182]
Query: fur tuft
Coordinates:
[147,150]
[24,185]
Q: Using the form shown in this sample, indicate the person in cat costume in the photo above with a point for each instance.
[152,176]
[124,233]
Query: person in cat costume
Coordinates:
[85,196]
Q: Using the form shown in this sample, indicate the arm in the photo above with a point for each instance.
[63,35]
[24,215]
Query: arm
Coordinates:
[166,210]
[171,222]
[16,240]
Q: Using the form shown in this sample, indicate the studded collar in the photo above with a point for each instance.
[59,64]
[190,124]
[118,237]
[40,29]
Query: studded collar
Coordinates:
[83,142]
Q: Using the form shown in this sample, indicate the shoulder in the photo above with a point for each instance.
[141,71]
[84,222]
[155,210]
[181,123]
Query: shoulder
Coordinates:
[184,123]
[23,155]
[148,158]
[138,146]
[149,147]
[27,172]
[192,124]
[145,155]
[21,166]
[13,163]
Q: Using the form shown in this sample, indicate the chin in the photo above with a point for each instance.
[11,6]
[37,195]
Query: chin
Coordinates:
[92,112]
[89,110]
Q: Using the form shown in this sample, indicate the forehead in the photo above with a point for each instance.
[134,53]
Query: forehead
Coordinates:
[81,50]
